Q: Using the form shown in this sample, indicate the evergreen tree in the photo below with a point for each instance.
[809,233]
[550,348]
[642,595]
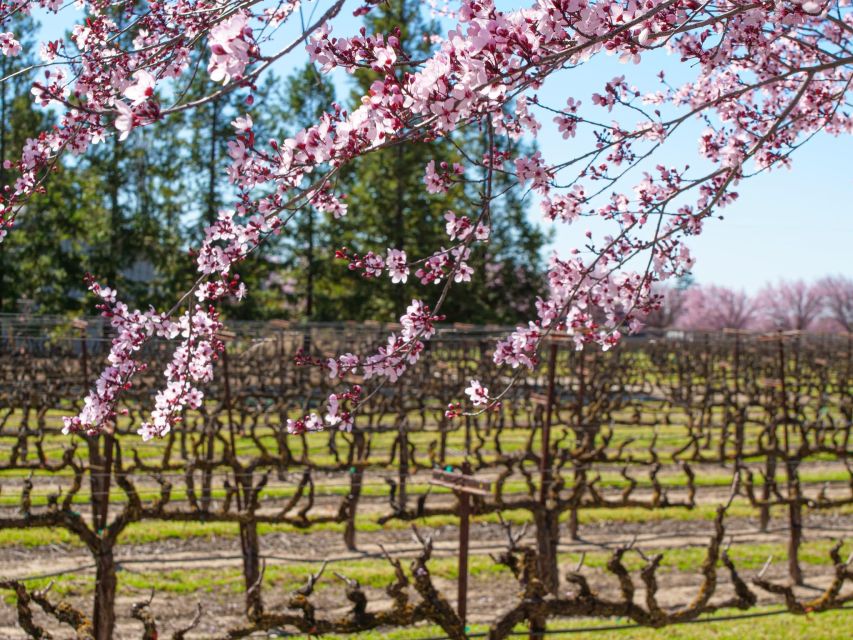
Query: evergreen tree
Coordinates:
[301,272]
[130,212]
[200,138]
[139,248]
[111,213]
[43,263]
[389,207]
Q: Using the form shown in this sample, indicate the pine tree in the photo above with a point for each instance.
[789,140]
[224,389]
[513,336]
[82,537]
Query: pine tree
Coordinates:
[389,207]
[298,281]
[43,263]
[111,213]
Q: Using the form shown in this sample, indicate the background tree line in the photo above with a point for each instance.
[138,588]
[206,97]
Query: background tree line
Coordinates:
[823,306]
[131,212]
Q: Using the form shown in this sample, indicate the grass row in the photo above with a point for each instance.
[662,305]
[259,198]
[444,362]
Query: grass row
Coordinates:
[157,531]
[282,578]
[374,488]
[826,626]
[669,436]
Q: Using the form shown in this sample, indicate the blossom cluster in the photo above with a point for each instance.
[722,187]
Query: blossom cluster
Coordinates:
[191,363]
[9,46]
[371,265]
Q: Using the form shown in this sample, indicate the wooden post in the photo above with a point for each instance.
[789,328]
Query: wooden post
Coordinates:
[226,381]
[581,431]
[281,432]
[544,458]
[462,586]
[547,524]
[464,485]
[81,325]
[740,425]
[403,468]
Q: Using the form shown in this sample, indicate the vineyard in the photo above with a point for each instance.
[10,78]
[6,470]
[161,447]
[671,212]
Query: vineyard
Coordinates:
[654,484]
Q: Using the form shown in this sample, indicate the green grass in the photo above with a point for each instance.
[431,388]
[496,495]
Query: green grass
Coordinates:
[824,626]
[669,436]
[670,480]
[154,531]
[377,573]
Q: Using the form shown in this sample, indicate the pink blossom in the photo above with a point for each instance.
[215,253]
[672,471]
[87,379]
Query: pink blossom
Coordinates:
[230,43]
[790,306]
[396,265]
[838,302]
[125,121]
[762,79]
[385,58]
[243,123]
[478,394]
[142,89]
[713,308]
[9,46]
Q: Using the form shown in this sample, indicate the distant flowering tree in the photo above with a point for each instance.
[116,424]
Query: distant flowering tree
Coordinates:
[714,308]
[762,78]
[822,306]
[838,303]
[790,306]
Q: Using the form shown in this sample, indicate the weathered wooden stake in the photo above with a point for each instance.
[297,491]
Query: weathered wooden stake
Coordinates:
[464,484]
[547,525]
[462,586]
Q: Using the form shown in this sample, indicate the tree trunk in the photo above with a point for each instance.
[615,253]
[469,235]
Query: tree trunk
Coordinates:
[795,521]
[103,613]
[207,473]
[574,523]
[250,547]
[403,472]
[100,474]
[356,477]
[769,481]
[547,538]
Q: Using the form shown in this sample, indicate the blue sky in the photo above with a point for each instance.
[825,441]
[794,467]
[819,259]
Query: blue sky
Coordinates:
[786,224]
